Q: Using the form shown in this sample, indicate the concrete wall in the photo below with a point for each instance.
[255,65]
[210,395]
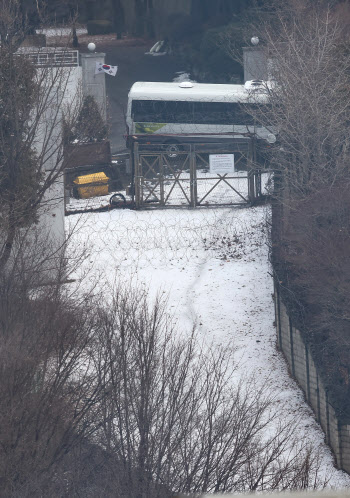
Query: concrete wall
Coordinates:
[63,87]
[66,96]
[302,367]
[48,234]
[254,63]
[73,84]
[94,84]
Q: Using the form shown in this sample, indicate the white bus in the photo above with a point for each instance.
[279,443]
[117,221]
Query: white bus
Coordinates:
[173,113]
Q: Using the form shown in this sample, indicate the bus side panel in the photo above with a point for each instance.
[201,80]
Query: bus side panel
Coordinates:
[179,129]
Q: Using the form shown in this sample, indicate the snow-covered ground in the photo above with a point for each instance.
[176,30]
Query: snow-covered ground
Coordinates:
[212,264]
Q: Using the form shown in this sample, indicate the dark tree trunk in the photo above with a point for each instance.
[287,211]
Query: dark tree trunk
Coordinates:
[144,18]
[75,37]
[199,10]
[150,19]
[140,17]
[73,12]
[203,10]
[118,18]
[90,9]
[31,19]
[10,238]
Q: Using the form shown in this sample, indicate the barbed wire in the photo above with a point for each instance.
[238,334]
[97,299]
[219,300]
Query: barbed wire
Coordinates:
[125,241]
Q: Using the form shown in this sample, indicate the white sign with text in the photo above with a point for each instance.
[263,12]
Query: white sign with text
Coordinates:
[222,163]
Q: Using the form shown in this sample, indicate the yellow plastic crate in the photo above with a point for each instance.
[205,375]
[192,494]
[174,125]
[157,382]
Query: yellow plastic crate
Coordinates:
[92,185]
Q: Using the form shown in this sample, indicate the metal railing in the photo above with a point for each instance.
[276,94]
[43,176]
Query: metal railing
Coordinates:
[55,58]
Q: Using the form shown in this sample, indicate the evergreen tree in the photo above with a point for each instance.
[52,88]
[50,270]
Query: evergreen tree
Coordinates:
[19,175]
[90,126]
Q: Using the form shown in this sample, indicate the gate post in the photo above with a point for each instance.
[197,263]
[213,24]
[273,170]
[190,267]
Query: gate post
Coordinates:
[161,178]
[138,173]
[250,186]
[250,172]
[193,176]
[258,192]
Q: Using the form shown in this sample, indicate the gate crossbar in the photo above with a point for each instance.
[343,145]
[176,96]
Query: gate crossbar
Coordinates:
[224,179]
[152,191]
[176,179]
[150,168]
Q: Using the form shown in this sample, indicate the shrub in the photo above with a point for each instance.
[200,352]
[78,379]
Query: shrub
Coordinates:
[179,27]
[214,59]
[102,27]
[89,126]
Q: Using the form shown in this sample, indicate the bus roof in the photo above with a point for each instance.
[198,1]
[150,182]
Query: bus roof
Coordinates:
[206,92]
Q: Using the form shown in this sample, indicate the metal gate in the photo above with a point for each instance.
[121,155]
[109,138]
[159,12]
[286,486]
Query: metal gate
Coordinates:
[185,177]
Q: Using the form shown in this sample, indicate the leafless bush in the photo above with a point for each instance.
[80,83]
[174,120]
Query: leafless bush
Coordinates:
[308,62]
[311,98]
[50,394]
[106,402]
[314,251]
[309,106]
[176,419]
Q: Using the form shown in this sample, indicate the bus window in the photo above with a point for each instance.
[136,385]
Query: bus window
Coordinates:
[213,113]
[144,111]
[210,113]
[160,111]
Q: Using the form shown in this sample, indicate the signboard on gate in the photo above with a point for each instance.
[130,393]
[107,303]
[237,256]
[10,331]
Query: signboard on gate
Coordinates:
[221,163]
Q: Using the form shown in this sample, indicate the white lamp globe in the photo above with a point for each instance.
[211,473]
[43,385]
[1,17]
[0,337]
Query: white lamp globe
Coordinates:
[91,47]
[254,40]
[271,138]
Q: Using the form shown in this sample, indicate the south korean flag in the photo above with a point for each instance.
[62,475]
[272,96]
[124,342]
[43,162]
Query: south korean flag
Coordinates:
[100,68]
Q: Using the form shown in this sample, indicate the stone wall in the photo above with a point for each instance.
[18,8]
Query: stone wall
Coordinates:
[302,367]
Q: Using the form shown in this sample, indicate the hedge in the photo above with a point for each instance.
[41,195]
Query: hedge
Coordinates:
[102,27]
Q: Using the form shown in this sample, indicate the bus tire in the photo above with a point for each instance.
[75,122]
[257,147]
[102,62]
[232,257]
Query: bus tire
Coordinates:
[172,148]
[117,200]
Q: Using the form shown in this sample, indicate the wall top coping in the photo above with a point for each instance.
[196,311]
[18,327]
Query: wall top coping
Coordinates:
[92,56]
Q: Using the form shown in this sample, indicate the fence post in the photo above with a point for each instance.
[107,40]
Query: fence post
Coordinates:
[328,432]
[307,372]
[291,338]
[137,177]
[340,442]
[250,175]
[318,398]
[277,292]
[161,178]
[257,183]
[193,176]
